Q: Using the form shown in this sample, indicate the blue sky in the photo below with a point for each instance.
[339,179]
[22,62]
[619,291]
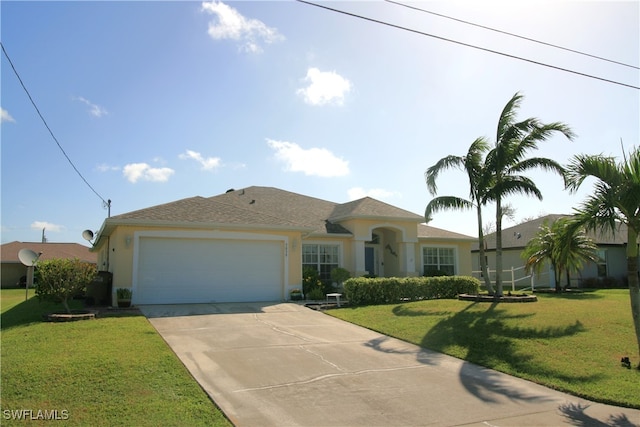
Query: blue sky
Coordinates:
[159,101]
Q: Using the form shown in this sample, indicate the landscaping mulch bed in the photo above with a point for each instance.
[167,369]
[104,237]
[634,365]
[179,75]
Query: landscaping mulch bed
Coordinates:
[90,314]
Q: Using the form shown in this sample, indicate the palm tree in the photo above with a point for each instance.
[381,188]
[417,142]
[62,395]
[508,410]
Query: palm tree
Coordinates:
[615,199]
[574,247]
[473,164]
[564,244]
[506,162]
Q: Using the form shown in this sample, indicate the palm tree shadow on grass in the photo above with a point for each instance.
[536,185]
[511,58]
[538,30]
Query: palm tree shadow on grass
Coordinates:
[488,340]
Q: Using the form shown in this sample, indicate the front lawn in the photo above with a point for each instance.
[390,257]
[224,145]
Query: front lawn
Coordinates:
[569,342]
[105,372]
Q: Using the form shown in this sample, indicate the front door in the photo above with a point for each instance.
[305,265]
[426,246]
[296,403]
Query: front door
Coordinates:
[370,260]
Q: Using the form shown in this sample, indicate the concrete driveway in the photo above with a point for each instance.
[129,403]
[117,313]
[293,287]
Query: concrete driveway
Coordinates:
[281,364]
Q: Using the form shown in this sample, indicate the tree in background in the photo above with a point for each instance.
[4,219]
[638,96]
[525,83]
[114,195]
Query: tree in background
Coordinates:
[61,279]
[615,199]
[506,162]
[564,245]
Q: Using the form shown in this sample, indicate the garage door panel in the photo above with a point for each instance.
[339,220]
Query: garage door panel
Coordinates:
[172,270]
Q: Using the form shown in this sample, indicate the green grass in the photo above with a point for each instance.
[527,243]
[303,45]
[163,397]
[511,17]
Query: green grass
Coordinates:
[109,371]
[569,342]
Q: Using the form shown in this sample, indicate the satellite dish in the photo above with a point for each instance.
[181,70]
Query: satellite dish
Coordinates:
[28,257]
[87,235]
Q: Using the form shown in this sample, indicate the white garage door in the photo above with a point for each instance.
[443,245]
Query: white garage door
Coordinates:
[193,270]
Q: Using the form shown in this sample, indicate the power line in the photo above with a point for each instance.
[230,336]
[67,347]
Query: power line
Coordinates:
[511,34]
[388,24]
[49,129]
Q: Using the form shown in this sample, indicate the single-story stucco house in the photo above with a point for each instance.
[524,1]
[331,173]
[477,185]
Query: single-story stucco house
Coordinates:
[13,269]
[612,264]
[252,244]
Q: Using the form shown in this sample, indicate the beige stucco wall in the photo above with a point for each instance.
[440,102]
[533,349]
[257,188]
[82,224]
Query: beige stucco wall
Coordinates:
[118,257]
[116,253]
[463,254]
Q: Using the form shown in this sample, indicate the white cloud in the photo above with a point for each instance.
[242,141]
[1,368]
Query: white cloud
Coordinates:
[208,163]
[232,25]
[313,161]
[39,225]
[356,193]
[6,117]
[94,109]
[103,167]
[325,87]
[136,171]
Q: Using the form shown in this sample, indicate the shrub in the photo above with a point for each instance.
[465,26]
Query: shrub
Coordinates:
[339,275]
[124,293]
[369,291]
[311,282]
[61,279]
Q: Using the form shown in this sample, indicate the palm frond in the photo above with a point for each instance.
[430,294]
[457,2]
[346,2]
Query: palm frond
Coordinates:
[443,203]
[441,165]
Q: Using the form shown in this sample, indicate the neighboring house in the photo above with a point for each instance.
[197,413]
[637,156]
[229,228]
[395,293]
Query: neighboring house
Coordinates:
[13,269]
[252,244]
[611,251]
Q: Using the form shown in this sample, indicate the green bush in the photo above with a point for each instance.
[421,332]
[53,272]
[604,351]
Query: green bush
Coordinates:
[385,290]
[62,279]
[311,283]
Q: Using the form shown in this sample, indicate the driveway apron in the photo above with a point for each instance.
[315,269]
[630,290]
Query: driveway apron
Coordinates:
[282,364]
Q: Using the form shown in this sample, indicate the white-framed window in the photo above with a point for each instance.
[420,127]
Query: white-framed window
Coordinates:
[602,263]
[439,259]
[322,257]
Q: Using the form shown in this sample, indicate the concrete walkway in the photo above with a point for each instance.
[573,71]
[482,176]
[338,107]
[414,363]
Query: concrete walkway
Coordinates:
[281,364]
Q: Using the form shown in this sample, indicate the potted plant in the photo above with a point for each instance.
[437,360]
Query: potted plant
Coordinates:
[124,297]
[295,295]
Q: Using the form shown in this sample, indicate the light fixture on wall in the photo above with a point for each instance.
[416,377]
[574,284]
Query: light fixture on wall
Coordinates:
[127,240]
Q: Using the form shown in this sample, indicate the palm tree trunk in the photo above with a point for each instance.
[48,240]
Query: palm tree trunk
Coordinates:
[483,259]
[634,285]
[498,247]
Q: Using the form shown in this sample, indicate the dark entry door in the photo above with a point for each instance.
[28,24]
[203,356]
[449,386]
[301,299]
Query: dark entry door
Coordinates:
[370,260]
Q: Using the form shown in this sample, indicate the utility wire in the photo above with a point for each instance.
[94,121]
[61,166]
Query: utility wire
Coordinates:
[49,129]
[466,44]
[511,34]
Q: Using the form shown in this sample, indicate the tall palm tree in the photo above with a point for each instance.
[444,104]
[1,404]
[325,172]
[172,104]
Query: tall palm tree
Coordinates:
[564,244]
[507,161]
[615,199]
[473,164]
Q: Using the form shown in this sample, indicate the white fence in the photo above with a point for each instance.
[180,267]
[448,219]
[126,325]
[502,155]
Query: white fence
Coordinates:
[516,277]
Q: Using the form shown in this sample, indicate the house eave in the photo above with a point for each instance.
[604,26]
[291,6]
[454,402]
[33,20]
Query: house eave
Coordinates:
[110,224]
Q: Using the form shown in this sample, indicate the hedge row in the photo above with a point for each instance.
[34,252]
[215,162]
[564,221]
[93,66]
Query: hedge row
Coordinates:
[384,290]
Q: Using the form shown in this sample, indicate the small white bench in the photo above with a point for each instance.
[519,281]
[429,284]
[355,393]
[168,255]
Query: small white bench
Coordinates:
[335,295]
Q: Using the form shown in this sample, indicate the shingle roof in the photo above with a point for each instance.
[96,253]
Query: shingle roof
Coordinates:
[519,235]
[272,207]
[426,231]
[368,207]
[9,251]
[204,210]
[265,207]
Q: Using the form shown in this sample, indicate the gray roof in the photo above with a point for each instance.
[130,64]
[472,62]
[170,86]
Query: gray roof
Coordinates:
[518,236]
[268,207]
[425,231]
[371,208]
[264,207]
[9,251]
